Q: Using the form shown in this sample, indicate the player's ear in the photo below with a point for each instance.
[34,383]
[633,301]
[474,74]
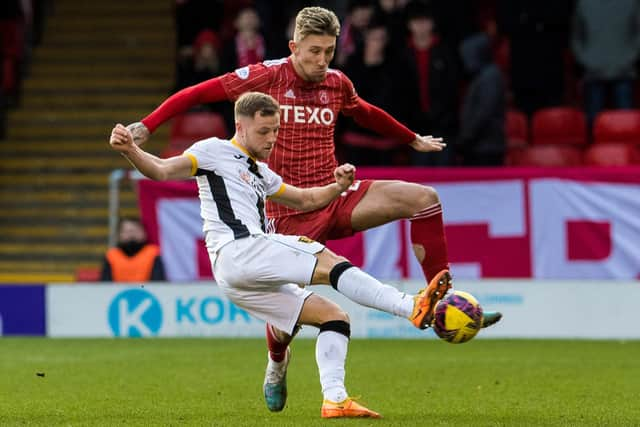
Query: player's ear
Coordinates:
[238,127]
[292,46]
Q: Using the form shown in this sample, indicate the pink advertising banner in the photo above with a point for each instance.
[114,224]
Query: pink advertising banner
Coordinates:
[542,223]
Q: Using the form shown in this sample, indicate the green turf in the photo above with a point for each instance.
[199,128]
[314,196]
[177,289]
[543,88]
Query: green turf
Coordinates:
[216,382]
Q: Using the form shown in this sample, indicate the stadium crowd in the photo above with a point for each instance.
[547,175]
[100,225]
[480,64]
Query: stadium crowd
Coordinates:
[498,79]
[21,28]
[471,72]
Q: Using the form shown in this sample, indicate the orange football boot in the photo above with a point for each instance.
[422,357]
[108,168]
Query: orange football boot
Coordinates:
[348,408]
[425,302]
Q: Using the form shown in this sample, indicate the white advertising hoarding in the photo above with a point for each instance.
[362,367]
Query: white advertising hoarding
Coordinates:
[532,309]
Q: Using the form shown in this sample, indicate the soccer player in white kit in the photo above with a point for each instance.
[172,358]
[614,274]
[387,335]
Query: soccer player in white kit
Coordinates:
[267,274]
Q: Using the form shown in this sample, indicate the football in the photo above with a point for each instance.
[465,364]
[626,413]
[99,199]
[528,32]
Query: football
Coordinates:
[458,317]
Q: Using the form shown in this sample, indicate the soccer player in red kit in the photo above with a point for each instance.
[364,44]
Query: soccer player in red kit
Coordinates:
[311,95]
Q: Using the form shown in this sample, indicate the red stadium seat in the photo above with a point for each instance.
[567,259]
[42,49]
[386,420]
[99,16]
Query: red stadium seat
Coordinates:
[559,126]
[617,126]
[612,154]
[516,129]
[514,155]
[198,126]
[549,155]
[191,127]
[88,274]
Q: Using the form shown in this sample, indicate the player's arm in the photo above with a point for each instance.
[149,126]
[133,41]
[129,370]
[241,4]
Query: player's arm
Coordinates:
[378,120]
[202,93]
[309,199]
[173,168]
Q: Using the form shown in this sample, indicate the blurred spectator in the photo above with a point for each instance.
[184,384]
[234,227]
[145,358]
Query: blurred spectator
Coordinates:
[247,46]
[487,23]
[455,19]
[203,64]
[538,33]
[133,259]
[351,37]
[481,140]
[193,16]
[379,77]
[606,42]
[12,47]
[433,76]
[391,12]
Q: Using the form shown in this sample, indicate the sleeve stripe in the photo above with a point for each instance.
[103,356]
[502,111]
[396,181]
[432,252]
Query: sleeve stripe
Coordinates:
[194,163]
[280,190]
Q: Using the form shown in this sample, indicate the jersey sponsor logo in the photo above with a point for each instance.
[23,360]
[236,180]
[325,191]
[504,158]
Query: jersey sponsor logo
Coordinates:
[305,239]
[304,114]
[243,72]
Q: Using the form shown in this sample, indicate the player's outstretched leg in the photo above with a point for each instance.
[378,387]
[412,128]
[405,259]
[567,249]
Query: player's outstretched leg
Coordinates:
[331,353]
[490,318]
[366,290]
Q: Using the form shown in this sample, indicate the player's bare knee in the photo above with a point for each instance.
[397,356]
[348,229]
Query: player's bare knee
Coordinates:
[327,260]
[428,197]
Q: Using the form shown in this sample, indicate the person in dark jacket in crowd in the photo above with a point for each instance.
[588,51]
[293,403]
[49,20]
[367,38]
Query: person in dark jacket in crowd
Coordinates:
[133,259]
[380,74]
[606,42]
[481,140]
[538,32]
[433,77]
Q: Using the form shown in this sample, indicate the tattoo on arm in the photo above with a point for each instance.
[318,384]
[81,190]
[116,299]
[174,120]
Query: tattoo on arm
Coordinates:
[140,132]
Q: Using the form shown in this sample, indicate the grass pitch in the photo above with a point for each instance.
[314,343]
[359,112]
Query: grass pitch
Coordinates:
[218,382]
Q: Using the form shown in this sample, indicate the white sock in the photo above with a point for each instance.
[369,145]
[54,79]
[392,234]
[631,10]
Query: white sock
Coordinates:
[331,353]
[360,287]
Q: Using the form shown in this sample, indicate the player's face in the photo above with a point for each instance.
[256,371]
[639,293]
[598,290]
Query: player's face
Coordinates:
[312,55]
[259,134]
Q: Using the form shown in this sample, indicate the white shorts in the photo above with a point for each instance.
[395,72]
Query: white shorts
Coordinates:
[266,275]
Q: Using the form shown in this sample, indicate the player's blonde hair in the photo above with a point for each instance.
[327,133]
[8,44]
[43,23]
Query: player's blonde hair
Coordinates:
[316,21]
[251,103]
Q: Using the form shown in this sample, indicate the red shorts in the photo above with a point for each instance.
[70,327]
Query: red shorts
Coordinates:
[331,222]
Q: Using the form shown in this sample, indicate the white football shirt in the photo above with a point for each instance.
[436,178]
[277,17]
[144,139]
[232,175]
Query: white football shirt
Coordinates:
[232,186]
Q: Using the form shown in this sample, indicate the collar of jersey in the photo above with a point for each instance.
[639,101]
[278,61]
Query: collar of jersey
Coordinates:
[241,148]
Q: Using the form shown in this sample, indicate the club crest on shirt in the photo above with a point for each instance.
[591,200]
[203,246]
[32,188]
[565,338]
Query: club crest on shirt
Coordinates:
[324,98]
[252,181]
[243,72]
[305,239]
[246,177]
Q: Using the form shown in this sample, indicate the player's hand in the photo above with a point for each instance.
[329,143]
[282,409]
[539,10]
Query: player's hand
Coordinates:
[121,139]
[427,143]
[345,175]
[140,133]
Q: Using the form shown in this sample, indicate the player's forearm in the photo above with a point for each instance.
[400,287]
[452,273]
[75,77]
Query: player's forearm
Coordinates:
[148,164]
[319,197]
[182,101]
[379,121]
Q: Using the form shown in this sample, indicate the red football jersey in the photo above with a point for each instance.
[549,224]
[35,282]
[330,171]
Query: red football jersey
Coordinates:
[304,154]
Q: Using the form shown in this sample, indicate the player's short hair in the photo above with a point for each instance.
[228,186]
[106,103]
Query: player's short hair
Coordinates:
[251,103]
[316,21]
